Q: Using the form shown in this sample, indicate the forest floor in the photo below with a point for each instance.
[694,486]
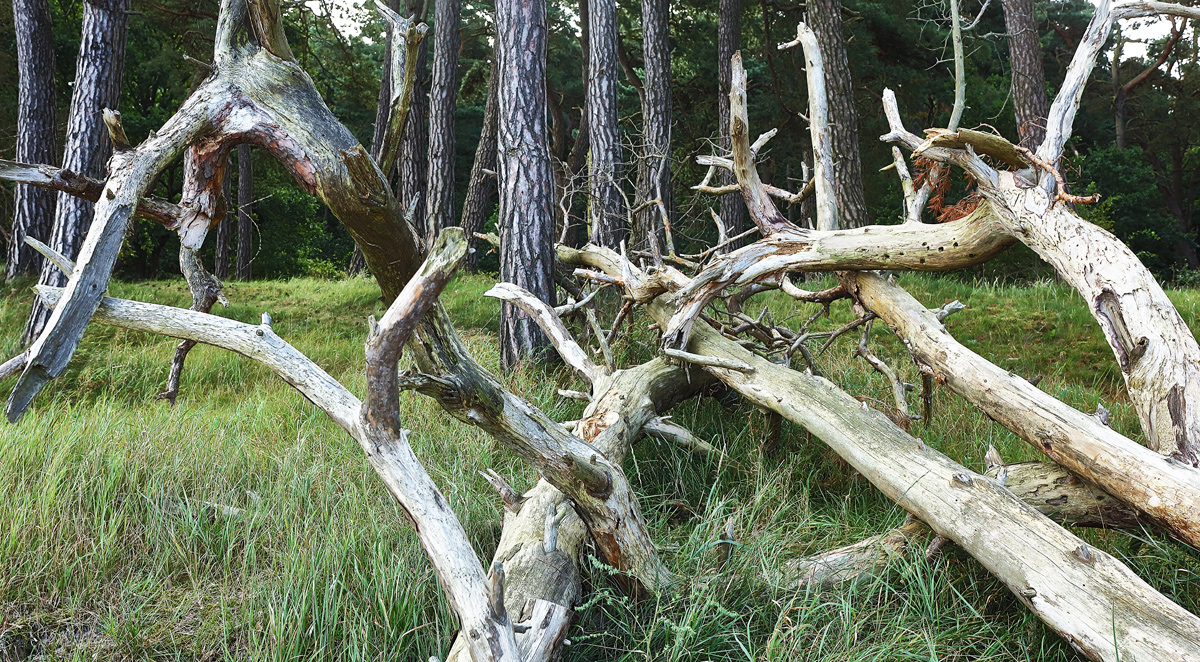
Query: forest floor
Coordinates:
[110,547]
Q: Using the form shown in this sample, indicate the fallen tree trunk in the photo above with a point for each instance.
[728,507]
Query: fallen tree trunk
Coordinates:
[1091,599]
[1045,486]
[1166,490]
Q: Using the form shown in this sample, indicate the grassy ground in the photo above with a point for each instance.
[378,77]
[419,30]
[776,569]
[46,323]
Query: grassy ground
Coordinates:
[108,551]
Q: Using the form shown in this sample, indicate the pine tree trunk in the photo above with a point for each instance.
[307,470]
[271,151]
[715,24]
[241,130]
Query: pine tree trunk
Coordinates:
[729,36]
[414,141]
[1028,76]
[442,96]
[609,226]
[99,71]
[525,182]
[481,189]
[245,220]
[33,211]
[825,18]
[224,231]
[576,172]
[654,169]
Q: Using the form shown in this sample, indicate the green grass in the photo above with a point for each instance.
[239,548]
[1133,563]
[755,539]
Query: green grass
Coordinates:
[108,551]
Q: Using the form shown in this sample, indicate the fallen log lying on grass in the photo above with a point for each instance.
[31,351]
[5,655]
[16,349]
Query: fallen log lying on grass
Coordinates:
[1166,490]
[1089,597]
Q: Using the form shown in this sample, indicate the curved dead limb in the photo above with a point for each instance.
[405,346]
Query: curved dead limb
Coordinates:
[1087,596]
[550,323]
[970,240]
[375,425]
[1166,490]
[595,483]
[764,212]
[1156,351]
[1148,8]
[82,186]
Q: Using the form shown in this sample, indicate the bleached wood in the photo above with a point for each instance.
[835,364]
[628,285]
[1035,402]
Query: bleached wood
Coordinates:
[1164,489]
[490,637]
[818,119]
[550,323]
[1087,596]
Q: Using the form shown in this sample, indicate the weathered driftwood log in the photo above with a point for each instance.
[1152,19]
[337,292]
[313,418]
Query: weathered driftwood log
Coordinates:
[1166,490]
[1047,487]
[1087,596]
[1063,496]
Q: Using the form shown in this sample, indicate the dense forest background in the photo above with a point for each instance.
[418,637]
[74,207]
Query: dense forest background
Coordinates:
[1148,187]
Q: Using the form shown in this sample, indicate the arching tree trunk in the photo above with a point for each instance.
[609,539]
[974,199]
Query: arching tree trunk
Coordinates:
[525,181]
[654,169]
[825,18]
[443,93]
[33,207]
[481,189]
[729,32]
[245,219]
[609,226]
[1028,75]
[99,70]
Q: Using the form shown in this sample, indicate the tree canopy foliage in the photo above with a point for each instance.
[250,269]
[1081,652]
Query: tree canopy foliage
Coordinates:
[902,44]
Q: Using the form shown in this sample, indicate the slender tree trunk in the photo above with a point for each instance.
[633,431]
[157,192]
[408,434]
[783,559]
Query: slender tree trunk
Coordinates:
[609,226]
[245,224]
[1028,75]
[224,231]
[99,71]
[414,142]
[729,34]
[1118,90]
[481,189]
[825,18]
[382,112]
[654,169]
[33,210]
[442,96]
[526,183]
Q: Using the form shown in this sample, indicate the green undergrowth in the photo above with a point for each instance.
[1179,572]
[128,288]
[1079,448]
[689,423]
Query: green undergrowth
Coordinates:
[114,545]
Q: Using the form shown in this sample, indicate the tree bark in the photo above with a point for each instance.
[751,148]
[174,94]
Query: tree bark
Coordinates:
[729,34]
[442,96]
[654,168]
[609,225]
[33,209]
[1030,104]
[414,143]
[481,189]
[245,211]
[225,230]
[99,71]
[825,18]
[526,184]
